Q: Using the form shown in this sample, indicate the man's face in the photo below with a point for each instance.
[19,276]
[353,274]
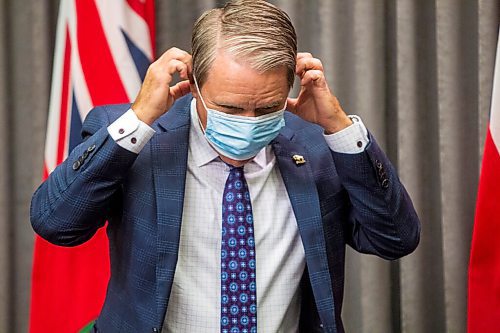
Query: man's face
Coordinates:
[235,88]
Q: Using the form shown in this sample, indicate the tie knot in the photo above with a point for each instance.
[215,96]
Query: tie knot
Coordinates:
[236,173]
[236,169]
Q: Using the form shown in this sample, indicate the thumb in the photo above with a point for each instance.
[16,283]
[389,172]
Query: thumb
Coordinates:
[291,104]
[180,89]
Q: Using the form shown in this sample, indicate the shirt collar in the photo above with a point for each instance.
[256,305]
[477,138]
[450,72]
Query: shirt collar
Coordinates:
[203,153]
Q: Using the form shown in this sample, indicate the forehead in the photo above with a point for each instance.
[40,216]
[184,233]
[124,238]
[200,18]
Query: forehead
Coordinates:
[229,77]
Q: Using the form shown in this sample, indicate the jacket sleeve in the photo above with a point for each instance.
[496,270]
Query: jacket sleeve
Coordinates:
[78,196]
[382,218]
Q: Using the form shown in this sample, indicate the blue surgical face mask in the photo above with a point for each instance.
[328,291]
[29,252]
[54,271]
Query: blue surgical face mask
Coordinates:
[239,137]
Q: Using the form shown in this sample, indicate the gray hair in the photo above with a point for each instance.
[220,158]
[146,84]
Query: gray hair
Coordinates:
[251,30]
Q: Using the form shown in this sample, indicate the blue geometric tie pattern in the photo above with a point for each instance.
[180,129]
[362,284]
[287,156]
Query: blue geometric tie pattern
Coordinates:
[238,285]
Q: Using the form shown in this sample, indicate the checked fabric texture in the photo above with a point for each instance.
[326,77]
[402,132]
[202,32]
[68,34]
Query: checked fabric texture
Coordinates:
[238,286]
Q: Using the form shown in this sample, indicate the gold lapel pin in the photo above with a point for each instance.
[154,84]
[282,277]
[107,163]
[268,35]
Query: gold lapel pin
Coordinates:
[298,159]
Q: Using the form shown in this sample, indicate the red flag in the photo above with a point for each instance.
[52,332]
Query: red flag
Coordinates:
[484,266]
[103,49]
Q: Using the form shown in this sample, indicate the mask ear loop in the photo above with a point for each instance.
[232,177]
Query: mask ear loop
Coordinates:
[201,125]
[202,101]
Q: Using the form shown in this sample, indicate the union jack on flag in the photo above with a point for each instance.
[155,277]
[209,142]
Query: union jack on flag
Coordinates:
[103,49]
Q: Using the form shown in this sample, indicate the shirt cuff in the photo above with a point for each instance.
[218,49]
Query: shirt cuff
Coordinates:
[351,140]
[130,133]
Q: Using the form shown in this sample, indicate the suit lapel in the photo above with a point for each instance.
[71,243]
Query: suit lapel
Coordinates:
[299,182]
[169,151]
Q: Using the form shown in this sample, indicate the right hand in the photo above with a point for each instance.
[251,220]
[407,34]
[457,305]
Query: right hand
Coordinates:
[156,95]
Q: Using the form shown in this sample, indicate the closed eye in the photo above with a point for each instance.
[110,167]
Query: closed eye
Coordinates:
[231,108]
[267,108]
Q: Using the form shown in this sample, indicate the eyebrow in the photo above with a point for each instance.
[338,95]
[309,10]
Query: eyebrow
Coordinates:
[271,105]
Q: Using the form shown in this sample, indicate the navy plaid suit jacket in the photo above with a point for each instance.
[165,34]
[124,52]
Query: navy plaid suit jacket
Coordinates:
[337,199]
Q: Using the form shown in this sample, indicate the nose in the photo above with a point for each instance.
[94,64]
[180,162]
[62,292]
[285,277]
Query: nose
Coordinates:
[250,113]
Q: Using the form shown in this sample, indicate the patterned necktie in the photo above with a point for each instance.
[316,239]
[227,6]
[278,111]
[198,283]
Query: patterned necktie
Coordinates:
[238,286]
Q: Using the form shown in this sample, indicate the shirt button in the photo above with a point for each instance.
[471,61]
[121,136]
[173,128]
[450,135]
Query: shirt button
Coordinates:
[121,131]
[360,144]
[133,140]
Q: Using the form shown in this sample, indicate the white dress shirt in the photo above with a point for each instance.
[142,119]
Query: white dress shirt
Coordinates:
[194,304]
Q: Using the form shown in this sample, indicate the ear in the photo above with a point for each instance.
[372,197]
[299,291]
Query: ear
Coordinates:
[193,89]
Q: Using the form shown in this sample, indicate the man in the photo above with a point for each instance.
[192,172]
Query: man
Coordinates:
[225,212]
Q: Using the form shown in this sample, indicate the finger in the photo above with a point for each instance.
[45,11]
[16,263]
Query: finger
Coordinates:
[291,104]
[188,60]
[306,64]
[178,66]
[315,77]
[180,89]
[175,53]
[302,55]
[162,73]
[183,56]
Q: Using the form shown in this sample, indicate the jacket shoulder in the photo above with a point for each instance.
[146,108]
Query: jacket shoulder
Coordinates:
[301,128]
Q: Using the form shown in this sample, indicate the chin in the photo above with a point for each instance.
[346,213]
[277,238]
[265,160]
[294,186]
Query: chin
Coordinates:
[236,163]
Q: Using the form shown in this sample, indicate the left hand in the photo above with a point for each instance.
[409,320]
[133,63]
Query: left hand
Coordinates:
[315,102]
